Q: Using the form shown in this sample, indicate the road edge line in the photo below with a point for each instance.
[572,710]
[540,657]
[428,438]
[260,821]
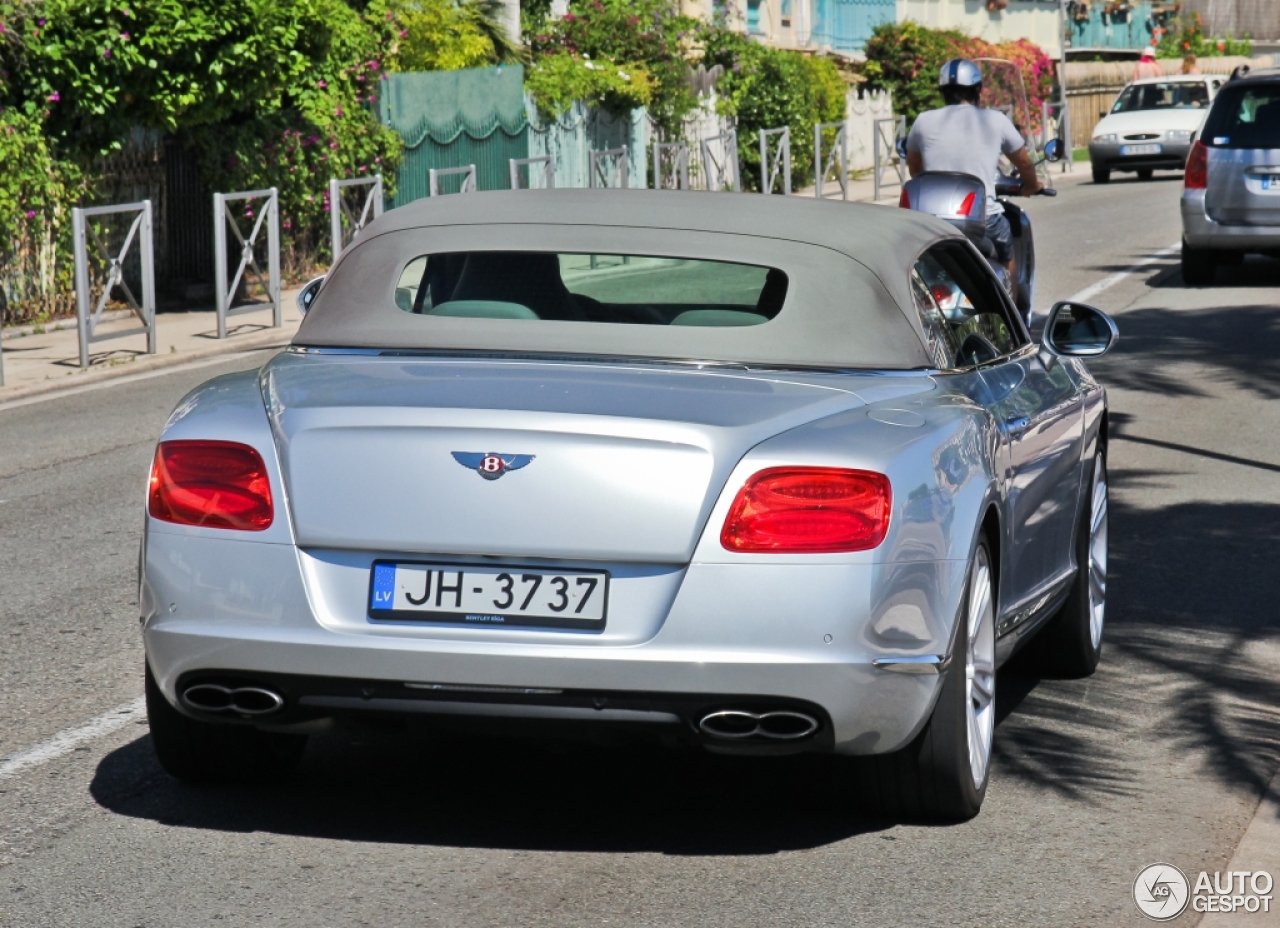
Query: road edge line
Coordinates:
[1259,849]
[67,740]
[1107,283]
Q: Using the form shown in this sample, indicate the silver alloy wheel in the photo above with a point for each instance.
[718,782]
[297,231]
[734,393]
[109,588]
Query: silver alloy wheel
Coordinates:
[1098,552]
[980,669]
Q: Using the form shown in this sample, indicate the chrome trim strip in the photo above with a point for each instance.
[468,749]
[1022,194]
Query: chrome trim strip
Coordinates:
[496,710]
[917,664]
[467,688]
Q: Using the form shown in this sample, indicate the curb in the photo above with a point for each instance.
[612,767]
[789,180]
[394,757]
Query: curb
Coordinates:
[272,338]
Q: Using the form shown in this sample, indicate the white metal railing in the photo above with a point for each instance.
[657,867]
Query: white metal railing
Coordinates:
[370,209]
[670,166]
[468,173]
[837,158]
[268,218]
[886,153]
[775,163]
[548,172]
[726,167]
[600,159]
[140,230]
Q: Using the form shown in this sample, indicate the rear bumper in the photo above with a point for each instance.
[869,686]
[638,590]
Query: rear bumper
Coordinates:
[733,638]
[1202,232]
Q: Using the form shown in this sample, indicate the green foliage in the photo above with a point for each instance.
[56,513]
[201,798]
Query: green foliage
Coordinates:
[634,36]
[560,79]
[441,35]
[904,58]
[35,222]
[767,88]
[1188,36]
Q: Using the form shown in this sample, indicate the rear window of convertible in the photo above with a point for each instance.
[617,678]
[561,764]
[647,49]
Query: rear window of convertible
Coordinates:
[633,289]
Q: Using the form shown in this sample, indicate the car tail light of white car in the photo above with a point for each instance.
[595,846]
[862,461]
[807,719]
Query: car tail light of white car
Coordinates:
[815,510]
[215,484]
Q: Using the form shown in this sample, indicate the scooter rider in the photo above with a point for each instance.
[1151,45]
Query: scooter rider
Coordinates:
[965,138]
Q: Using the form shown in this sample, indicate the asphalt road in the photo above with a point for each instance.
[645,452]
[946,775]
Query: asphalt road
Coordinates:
[1160,756]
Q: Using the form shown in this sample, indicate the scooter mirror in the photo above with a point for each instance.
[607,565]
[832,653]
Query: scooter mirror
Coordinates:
[1076,330]
[901,146]
[1053,150]
[307,295]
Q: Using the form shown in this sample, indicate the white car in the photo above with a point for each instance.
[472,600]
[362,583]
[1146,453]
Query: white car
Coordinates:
[1151,125]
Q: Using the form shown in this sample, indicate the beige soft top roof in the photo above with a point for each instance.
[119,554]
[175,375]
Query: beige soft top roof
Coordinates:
[848,301]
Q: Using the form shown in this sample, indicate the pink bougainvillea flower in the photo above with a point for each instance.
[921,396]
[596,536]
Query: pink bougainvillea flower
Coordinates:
[124,37]
[287,224]
[106,53]
[322,84]
[31,214]
[54,97]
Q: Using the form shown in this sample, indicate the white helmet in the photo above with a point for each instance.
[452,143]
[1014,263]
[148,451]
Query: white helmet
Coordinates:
[960,72]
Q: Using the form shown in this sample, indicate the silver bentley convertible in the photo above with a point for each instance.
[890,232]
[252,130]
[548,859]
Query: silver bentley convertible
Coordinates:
[762,474]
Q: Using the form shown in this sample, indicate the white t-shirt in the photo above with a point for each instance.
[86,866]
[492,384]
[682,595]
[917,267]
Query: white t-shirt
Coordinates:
[966,139]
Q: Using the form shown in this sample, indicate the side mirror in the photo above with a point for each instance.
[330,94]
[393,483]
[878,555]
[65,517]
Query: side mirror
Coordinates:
[901,146]
[307,295]
[1074,330]
[1052,150]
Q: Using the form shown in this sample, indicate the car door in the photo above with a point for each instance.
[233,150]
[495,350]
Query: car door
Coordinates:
[1038,409]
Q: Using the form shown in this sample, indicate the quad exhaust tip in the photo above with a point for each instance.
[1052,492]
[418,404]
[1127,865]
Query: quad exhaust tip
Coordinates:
[741,725]
[237,700]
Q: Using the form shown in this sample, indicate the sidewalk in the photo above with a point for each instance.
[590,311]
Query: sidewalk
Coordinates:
[51,360]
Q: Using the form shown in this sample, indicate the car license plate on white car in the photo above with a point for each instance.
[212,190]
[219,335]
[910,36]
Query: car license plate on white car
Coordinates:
[488,595]
[1140,149]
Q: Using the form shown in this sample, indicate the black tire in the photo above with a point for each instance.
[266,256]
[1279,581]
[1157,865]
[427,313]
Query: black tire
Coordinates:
[1101,174]
[932,776]
[1067,646]
[1198,266]
[205,752]
[1145,173]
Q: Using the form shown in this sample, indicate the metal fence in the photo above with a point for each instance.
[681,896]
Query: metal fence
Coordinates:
[140,231]
[722,169]
[548,172]
[609,167]
[370,209]
[670,166]
[466,175]
[837,158]
[268,218]
[887,133]
[775,160]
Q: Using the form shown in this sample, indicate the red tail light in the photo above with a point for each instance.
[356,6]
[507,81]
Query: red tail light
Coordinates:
[904,200]
[809,510]
[217,484]
[966,205]
[1197,173]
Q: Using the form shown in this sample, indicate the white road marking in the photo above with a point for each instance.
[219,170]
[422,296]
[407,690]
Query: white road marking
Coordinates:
[67,740]
[195,364]
[1107,283]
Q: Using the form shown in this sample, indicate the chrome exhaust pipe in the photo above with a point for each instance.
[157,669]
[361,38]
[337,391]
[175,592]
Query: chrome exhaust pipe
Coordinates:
[238,700]
[776,725]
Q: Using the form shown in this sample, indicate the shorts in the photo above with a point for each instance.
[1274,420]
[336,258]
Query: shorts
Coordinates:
[1000,233]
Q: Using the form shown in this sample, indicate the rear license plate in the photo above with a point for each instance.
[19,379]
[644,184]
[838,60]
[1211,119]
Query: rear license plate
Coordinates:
[486,595]
[1140,149]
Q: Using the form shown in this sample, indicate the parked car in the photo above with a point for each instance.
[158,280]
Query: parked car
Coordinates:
[1151,125]
[716,467]
[1231,191]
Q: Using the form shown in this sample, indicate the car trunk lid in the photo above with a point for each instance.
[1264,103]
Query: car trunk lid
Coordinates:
[600,462]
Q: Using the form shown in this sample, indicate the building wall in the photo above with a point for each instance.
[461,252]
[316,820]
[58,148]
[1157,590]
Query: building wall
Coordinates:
[1035,20]
[1259,19]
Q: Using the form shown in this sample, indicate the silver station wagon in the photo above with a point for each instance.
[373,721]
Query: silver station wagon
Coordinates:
[1231,195]
[760,474]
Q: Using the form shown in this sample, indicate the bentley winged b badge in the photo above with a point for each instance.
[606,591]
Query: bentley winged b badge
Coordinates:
[491,466]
